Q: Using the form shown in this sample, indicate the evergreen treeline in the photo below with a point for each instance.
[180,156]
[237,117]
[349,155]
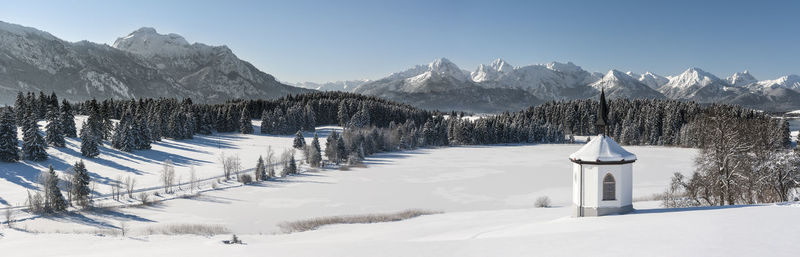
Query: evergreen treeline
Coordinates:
[399,126]
[757,142]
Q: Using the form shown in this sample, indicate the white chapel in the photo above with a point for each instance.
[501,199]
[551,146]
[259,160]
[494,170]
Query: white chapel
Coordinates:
[602,173]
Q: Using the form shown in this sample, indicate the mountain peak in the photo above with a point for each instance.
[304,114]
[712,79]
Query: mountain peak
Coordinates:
[148,42]
[23,31]
[501,66]
[741,79]
[446,68]
[563,67]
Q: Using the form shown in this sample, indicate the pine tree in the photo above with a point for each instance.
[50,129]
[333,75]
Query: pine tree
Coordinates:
[123,136]
[9,152]
[299,140]
[33,144]
[41,106]
[313,152]
[310,118]
[341,150]
[155,121]
[245,125]
[80,184]
[91,132]
[175,127]
[360,119]
[292,168]
[54,200]
[55,136]
[20,108]
[67,120]
[106,125]
[332,148]
[315,143]
[266,122]
[141,130]
[261,171]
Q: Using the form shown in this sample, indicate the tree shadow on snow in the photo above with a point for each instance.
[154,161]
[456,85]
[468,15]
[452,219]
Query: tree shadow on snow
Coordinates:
[173,145]
[82,219]
[687,209]
[213,199]
[216,140]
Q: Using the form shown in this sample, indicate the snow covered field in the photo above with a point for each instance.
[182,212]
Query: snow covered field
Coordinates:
[487,194]
[446,179]
[202,153]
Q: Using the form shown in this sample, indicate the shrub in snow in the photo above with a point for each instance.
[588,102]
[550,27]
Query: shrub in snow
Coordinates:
[354,159]
[542,202]
[245,179]
[144,198]
[35,202]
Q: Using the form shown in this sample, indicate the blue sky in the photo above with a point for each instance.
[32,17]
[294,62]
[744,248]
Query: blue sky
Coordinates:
[340,40]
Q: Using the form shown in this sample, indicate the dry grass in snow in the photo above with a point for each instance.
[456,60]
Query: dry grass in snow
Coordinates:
[312,224]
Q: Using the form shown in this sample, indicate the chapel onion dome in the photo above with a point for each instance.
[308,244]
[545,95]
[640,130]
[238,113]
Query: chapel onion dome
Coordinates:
[602,150]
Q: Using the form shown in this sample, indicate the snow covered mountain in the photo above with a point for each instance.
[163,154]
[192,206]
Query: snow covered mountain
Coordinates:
[652,80]
[620,85]
[547,81]
[151,65]
[741,79]
[344,86]
[791,82]
[698,85]
[212,71]
[429,84]
[443,85]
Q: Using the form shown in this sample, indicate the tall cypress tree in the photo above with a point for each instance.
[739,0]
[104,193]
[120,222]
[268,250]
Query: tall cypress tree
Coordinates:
[67,119]
[9,152]
[55,136]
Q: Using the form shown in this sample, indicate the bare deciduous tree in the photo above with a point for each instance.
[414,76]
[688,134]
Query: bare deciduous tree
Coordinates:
[130,183]
[192,179]
[168,176]
[231,165]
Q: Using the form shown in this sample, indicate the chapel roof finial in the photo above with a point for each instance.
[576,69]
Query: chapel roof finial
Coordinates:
[602,113]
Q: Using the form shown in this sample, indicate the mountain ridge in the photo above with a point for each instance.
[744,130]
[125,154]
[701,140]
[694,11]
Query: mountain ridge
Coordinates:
[34,60]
